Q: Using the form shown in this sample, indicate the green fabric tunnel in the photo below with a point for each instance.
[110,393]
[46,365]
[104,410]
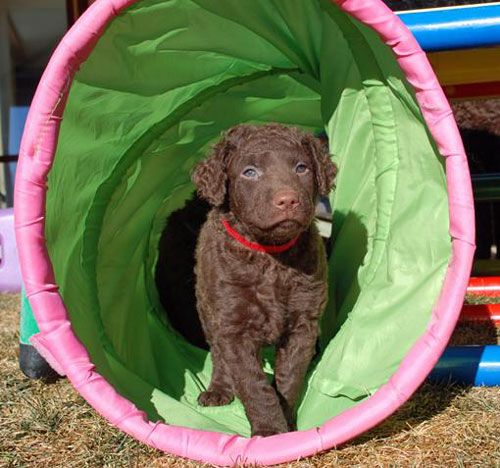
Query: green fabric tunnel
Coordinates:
[164,80]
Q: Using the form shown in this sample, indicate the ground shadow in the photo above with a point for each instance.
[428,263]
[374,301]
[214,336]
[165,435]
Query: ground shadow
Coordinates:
[428,401]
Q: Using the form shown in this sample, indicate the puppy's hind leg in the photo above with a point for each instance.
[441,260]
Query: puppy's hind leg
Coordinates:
[219,392]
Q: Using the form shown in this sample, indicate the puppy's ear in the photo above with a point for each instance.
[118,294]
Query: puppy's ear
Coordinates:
[210,175]
[325,170]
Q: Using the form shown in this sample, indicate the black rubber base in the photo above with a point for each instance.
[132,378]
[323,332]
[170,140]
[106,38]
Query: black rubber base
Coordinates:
[34,366]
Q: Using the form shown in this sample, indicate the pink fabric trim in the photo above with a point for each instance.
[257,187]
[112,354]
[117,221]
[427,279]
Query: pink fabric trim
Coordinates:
[38,343]
[36,154]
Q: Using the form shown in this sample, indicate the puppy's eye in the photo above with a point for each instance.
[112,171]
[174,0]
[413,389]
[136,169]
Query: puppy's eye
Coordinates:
[250,173]
[301,168]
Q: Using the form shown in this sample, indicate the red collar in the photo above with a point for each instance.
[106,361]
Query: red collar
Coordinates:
[258,247]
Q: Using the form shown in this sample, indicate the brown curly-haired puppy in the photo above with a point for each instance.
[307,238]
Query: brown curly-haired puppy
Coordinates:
[260,267]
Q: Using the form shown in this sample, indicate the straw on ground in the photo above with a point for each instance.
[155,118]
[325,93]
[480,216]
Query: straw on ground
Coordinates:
[52,426]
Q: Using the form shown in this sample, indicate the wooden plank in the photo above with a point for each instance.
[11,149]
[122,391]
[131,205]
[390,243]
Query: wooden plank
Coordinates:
[483,313]
[466,66]
[484,286]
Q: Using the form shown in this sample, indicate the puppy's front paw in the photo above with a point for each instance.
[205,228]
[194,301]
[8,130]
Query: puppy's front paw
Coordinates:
[215,398]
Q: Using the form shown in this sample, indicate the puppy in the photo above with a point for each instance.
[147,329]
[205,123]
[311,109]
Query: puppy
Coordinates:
[261,267]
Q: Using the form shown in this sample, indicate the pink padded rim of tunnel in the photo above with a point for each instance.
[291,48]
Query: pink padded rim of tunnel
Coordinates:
[58,339]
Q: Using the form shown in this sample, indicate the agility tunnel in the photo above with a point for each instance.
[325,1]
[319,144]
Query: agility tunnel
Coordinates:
[133,97]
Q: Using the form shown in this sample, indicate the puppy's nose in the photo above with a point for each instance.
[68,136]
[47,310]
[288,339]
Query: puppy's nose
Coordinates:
[286,200]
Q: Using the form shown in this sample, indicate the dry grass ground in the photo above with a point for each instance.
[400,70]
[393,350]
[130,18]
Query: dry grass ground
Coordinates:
[51,426]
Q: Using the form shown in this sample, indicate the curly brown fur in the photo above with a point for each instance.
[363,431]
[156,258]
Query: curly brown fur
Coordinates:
[265,182]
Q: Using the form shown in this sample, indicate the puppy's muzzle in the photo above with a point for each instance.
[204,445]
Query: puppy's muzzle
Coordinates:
[286,200]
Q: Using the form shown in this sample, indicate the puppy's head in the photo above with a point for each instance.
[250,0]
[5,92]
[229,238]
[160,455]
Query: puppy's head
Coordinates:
[270,178]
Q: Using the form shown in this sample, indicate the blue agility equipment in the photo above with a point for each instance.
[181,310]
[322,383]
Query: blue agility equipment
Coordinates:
[455,27]
[471,365]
